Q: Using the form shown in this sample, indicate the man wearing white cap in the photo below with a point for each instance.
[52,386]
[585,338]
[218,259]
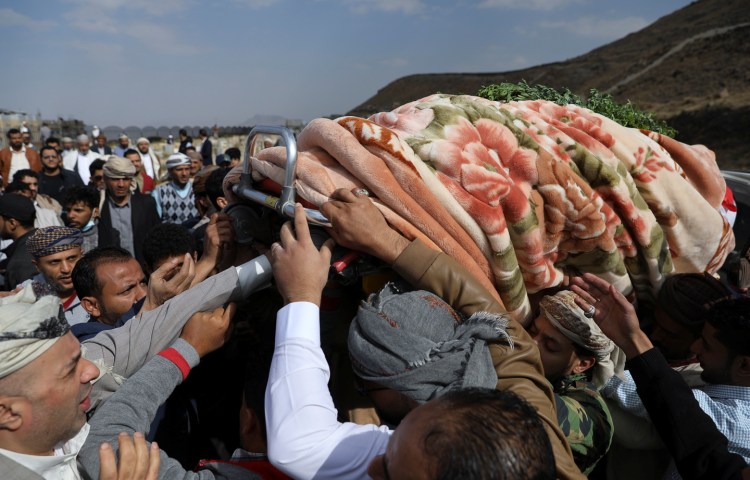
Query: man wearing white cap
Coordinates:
[44,389]
[175,199]
[79,160]
[151,162]
[123,144]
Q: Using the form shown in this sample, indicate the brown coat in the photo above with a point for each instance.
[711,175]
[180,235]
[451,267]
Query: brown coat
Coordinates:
[35,163]
[519,369]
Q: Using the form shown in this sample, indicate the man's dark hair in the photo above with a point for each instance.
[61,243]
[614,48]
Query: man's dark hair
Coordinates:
[12,131]
[47,147]
[183,132]
[215,185]
[233,153]
[130,151]
[488,433]
[23,173]
[202,132]
[52,140]
[86,194]
[166,240]
[685,297]
[85,280]
[97,164]
[14,188]
[731,319]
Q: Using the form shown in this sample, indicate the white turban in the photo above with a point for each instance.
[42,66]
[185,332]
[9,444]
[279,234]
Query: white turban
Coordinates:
[563,312]
[28,328]
[177,159]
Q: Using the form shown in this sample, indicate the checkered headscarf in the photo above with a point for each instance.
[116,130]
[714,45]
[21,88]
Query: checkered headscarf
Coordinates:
[48,240]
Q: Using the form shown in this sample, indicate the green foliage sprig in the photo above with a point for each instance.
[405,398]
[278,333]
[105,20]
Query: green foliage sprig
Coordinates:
[625,114]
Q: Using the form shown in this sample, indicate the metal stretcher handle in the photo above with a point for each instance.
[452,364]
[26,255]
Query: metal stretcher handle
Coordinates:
[284,205]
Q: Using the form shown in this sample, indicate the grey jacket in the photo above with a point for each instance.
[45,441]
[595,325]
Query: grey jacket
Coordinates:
[132,408]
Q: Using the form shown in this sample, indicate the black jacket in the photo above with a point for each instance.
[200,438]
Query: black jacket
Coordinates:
[143,216]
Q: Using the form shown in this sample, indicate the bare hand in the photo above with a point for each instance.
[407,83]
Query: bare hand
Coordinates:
[219,234]
[207,331]
[614,314]
[359,225]
[169,280]
[301,271]
[137,461]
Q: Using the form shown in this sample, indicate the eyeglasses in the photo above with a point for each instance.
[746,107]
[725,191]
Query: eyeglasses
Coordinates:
[49,157]
[97,177]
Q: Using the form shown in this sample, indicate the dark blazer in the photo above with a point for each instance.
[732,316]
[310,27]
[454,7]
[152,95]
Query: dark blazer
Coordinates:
[143,216]
[102,151]
[206,148]
[69,179]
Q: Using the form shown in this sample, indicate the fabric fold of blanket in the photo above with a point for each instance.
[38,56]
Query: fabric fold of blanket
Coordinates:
[521,192]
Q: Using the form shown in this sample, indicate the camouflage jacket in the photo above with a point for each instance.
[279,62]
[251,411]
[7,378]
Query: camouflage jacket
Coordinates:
[584,419]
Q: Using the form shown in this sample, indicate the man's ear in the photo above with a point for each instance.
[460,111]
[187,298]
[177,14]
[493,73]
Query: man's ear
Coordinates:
[95,213]
[36,264]
[221,202]
[584,363]
[91,305]
[12,412]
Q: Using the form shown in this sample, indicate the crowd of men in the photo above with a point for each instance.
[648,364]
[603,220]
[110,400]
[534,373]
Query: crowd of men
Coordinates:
[135,314]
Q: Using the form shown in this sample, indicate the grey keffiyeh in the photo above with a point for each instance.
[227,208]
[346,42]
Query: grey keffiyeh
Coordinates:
[29,326]
[417,344]
[118,167]
[565,315]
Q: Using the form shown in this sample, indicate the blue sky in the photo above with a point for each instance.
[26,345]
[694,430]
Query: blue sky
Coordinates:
[191,62]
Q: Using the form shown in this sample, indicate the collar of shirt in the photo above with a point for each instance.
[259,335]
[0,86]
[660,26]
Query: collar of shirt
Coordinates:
[732,392]
[113,204]
[61,465]
[18,152]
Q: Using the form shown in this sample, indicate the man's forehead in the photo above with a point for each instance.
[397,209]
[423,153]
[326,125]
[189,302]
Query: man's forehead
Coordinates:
[74,250]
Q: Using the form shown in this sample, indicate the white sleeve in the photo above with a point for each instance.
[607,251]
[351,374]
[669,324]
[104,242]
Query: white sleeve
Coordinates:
[305,439]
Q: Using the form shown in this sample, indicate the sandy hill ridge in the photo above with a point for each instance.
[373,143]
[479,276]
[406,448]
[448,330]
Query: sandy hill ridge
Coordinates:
[691,68]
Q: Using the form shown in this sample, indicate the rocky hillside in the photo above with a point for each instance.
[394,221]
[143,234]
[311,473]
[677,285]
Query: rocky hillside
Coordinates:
[691,68]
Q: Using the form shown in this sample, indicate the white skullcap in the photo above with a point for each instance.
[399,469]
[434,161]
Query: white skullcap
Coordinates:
[177,159]
[82,138]
[141,140]
[28,328]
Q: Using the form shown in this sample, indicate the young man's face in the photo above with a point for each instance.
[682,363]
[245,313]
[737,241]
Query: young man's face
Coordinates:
[714,356]
[50,159]
[33,184]
[15,140]
[97,179]
[135,159]
[101,141]
[672,339]
[79,214]
[58,268]
[180,174]
[118,188]
[557,352]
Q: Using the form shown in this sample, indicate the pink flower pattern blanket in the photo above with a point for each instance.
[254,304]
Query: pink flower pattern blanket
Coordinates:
[520,193]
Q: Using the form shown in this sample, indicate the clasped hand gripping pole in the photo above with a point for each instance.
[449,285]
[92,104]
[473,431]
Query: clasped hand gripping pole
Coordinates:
[285,204]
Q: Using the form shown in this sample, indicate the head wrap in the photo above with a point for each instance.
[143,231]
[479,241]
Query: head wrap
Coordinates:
[563,313]
[685,297]
[417,344]
[29,326]
[118,167]
[82,138]
[66,139]
[48,240]
[194,156]
[141,140]
[177,159]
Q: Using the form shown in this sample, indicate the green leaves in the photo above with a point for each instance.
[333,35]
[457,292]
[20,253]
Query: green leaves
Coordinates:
[626,114]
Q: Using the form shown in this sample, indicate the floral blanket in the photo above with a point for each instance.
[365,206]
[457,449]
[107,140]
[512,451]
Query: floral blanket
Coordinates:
[522,193]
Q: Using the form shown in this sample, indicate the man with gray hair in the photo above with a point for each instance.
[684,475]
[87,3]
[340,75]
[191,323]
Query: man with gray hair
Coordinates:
[125,218]
[80,159]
